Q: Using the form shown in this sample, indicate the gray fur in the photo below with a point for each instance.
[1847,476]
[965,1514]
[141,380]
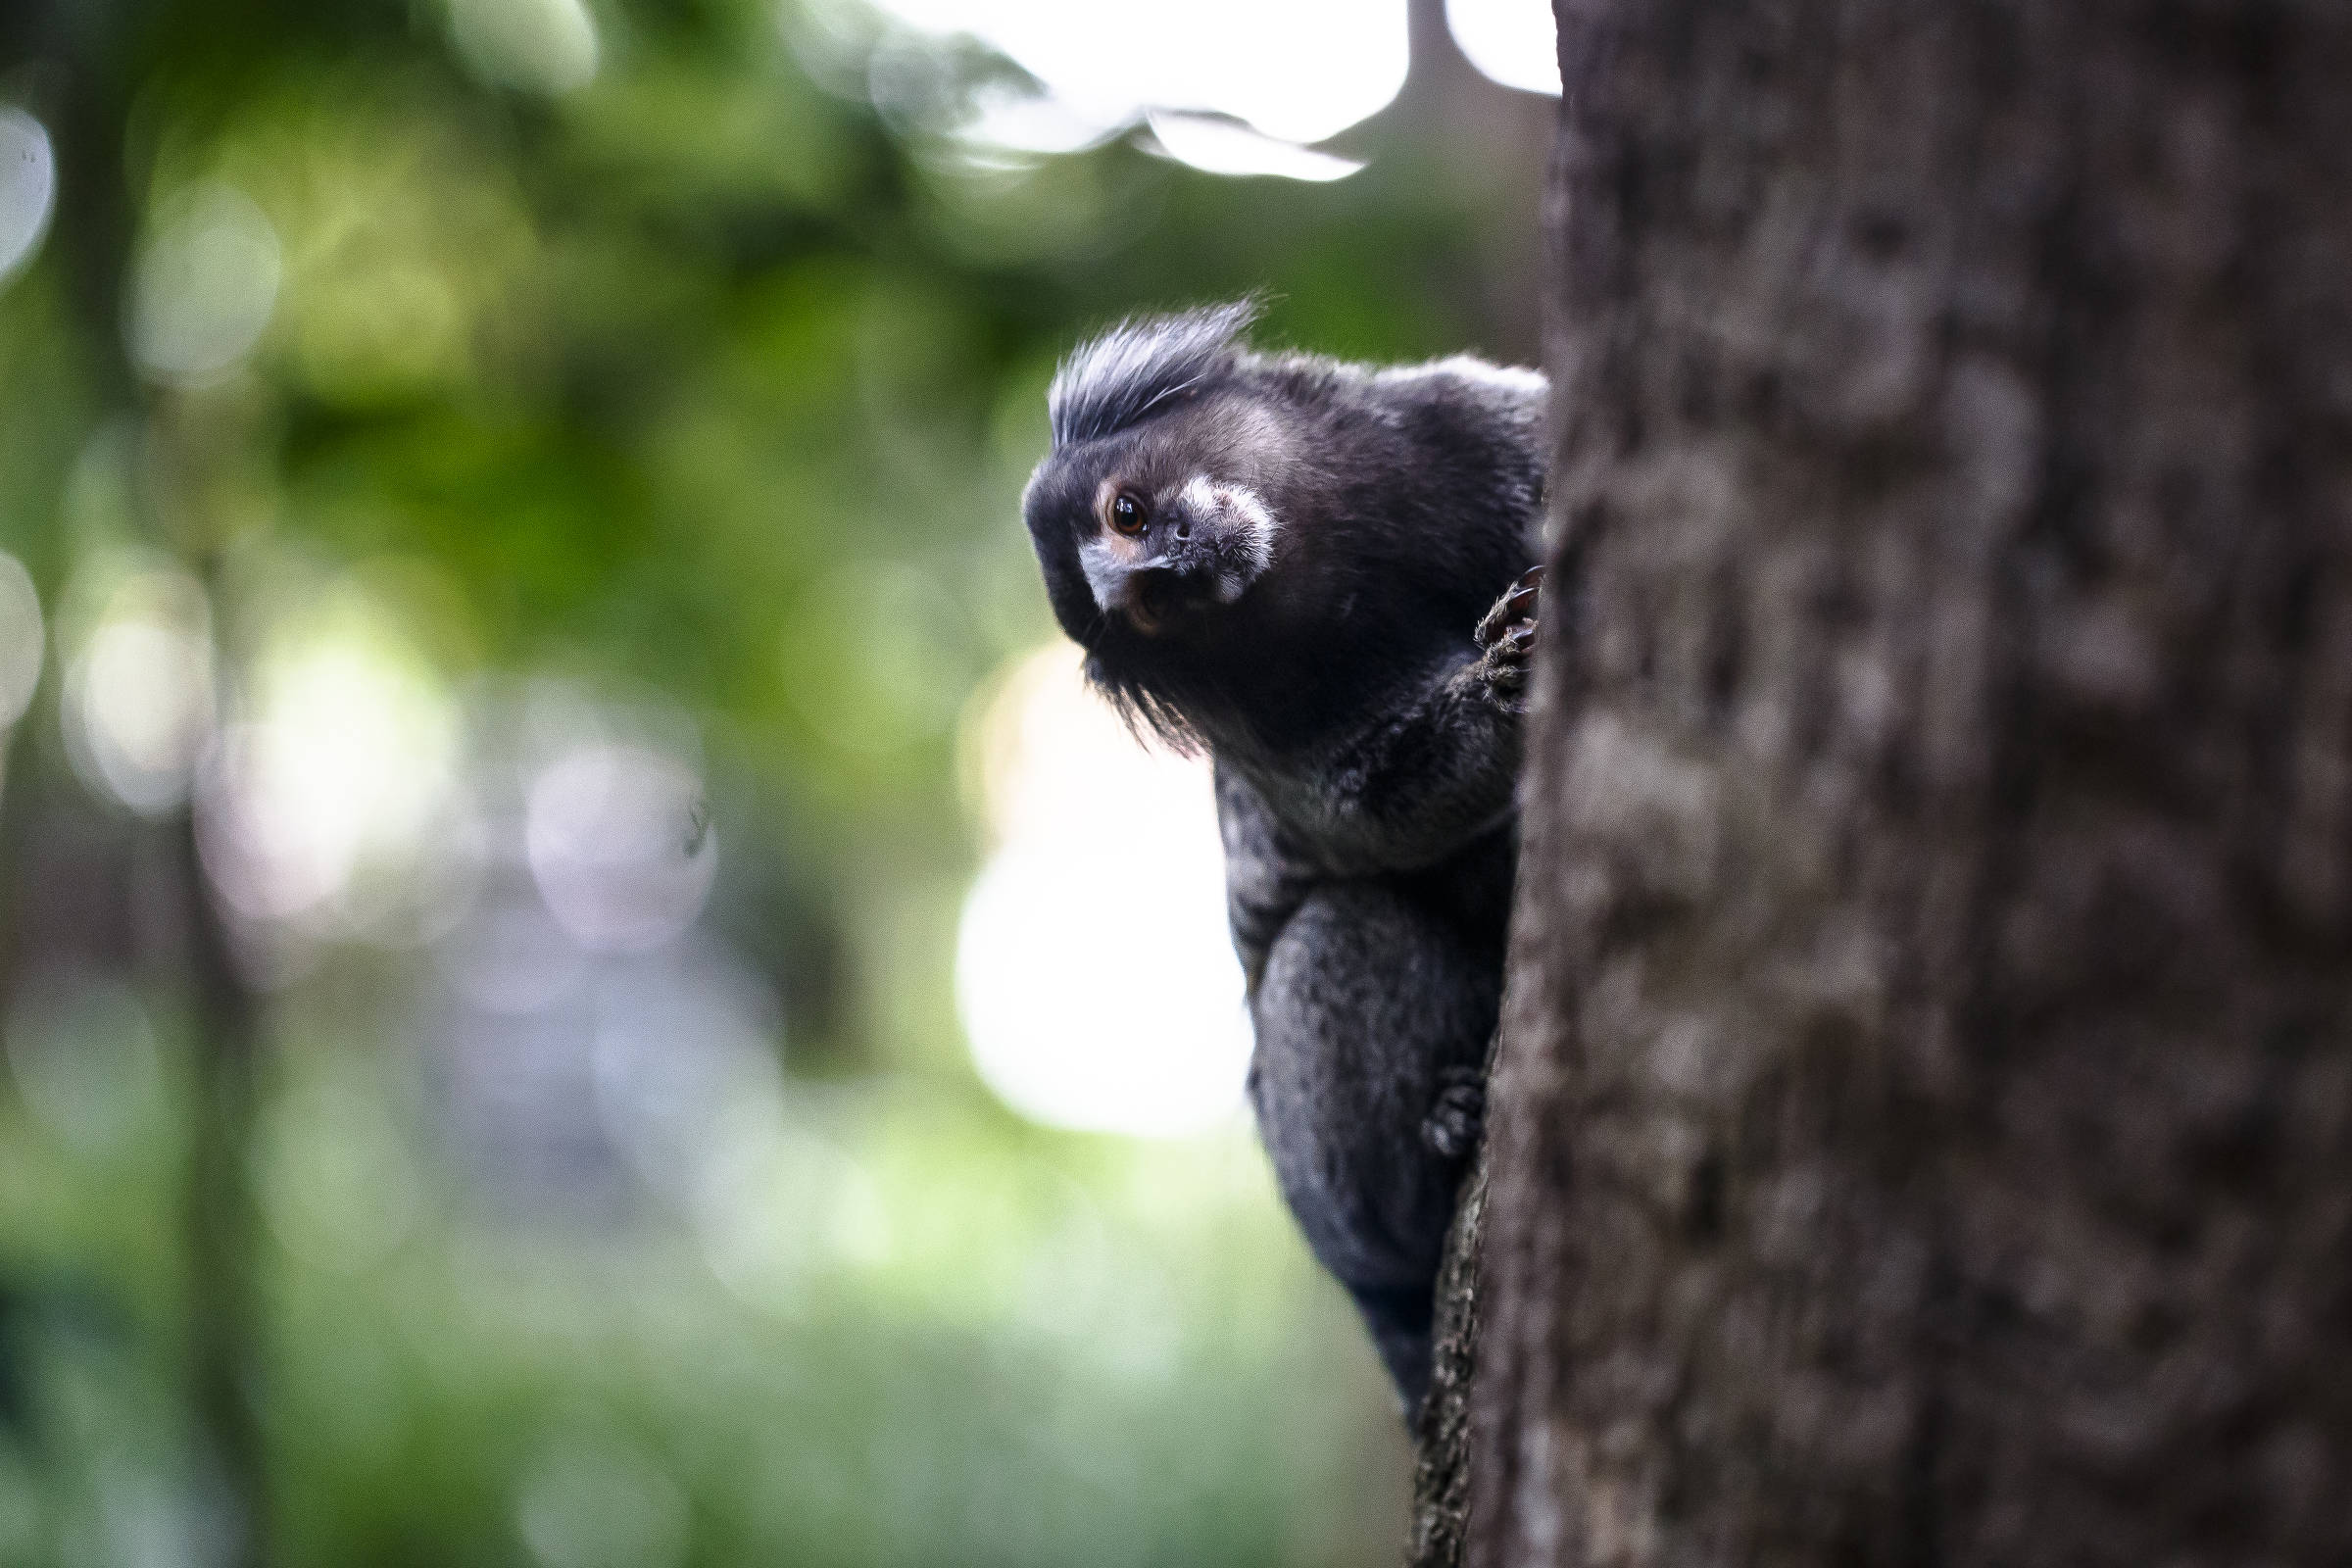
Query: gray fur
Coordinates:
[1323,596]
[1118,378]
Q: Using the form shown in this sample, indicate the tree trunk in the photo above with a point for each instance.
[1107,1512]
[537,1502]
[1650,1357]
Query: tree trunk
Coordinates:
[1923,1132]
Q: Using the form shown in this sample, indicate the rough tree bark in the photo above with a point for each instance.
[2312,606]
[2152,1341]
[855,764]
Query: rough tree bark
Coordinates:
[1924,1123]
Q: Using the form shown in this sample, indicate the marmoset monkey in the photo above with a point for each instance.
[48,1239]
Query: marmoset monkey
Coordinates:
[1321,573]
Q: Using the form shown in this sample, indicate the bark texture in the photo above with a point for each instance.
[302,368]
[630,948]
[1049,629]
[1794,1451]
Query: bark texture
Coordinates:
[1924,1123]
[1440,1516]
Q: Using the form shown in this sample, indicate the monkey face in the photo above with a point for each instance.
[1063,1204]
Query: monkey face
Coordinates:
[1162,556]
[1154,530]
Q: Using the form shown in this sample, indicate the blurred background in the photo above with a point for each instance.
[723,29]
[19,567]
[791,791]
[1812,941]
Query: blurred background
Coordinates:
[580,982]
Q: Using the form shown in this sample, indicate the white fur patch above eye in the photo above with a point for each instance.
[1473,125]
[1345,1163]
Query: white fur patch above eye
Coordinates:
[1248,537]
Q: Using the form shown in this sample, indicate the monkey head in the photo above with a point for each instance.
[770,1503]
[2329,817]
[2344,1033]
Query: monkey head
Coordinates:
[1151,514]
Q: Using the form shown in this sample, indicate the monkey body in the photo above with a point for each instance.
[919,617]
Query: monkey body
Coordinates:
[1319,572]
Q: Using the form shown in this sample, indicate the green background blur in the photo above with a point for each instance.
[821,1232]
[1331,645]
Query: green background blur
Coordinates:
[706,388]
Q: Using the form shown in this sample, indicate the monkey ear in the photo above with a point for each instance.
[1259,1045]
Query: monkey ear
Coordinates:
[1118,379]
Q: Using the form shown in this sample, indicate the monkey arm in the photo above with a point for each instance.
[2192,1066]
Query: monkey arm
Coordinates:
[1439,767]
[1423,780]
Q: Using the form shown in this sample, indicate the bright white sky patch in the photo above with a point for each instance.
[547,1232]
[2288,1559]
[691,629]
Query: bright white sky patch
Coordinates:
[1510,42]
[1299,71]
[1093,970]
[1223,147]
[1021,122]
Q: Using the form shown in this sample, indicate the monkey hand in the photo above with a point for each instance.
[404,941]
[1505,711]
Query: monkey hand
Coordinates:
[1457,1117]
[1506,642]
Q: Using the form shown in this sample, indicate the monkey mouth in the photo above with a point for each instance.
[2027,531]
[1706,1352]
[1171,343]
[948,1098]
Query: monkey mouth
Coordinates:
[1158,595]
[1156,600]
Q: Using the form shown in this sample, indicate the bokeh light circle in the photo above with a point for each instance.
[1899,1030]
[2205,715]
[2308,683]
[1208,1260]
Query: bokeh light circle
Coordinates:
[27,187]
[205,286]
[620,846]
[1094,972]
[21,639]
[139,692]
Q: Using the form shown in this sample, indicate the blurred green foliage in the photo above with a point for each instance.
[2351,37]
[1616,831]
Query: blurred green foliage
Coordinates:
[698,381]
[1062,1351]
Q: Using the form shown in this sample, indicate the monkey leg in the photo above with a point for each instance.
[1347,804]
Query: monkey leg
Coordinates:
[1371,1016]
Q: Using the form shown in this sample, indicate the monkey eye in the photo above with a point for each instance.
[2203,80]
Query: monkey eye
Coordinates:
[1127,514]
